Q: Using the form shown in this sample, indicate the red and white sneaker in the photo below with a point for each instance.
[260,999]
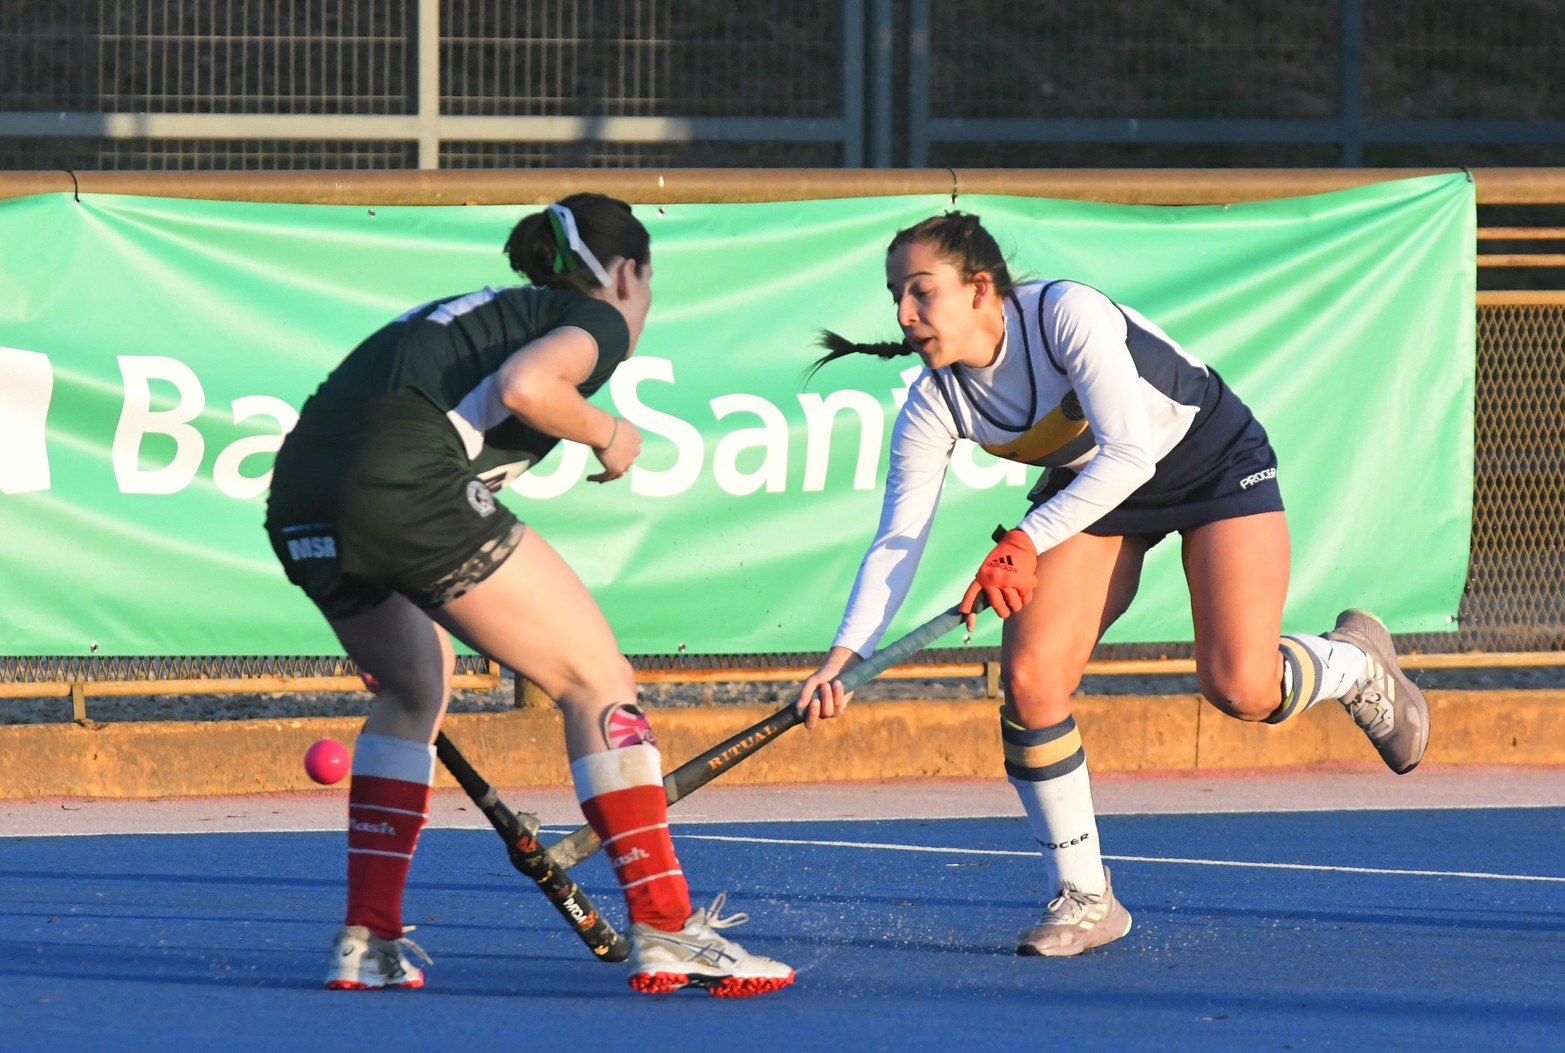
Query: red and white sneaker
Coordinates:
[362,961]
[696,956]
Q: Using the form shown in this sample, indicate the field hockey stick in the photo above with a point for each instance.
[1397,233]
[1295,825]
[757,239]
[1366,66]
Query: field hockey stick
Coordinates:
[520,834]
[700,770]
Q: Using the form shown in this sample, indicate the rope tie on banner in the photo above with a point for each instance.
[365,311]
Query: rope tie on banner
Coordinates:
[567,239]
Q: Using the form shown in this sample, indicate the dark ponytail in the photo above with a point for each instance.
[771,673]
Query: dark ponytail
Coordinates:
[605,223]
[838,346]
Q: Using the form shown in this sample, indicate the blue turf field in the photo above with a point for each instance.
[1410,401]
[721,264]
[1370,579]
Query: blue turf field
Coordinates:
[1440,930]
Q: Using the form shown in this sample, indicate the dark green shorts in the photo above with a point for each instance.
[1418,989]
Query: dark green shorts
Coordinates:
[375,496]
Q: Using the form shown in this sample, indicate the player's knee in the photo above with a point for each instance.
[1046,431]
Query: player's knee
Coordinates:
[1248,691]
[597,685]
[413,689]
[621,677]
[1039,698]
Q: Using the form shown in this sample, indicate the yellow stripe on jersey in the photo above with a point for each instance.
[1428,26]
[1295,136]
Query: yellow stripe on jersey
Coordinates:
[1058,439]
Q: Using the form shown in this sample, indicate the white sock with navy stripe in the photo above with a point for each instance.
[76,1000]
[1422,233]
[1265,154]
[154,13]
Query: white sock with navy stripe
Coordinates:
[1048,769]
[1314,668]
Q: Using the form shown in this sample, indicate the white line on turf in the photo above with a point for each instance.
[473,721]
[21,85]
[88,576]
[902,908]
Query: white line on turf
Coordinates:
[1312,867]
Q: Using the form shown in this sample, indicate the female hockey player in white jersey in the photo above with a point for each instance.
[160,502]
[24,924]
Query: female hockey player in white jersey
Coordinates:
[1140,439]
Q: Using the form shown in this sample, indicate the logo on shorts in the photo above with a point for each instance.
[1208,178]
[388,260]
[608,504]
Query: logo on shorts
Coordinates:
[1259,477]
[312,548]
[480,498]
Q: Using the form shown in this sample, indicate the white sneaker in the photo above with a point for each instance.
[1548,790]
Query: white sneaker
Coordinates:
[362,961]
[1076,921]
[696,956]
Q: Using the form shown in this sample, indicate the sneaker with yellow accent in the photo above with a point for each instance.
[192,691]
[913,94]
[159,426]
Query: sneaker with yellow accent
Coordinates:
[696,956]
[1387,705]
[1076,921]
[362,961]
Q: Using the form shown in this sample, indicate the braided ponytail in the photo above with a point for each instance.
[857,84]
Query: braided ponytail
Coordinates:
[838,346]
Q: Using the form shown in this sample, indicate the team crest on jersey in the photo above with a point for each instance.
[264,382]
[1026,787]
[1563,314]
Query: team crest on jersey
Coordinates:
[480,498]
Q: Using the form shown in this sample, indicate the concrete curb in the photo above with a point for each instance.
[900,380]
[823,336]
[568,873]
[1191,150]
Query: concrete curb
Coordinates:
[876,741]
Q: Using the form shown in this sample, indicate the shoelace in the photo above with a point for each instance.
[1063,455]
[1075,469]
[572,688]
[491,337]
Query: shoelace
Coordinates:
[1370,710]
[709,915]
[1071,903]
[415,948]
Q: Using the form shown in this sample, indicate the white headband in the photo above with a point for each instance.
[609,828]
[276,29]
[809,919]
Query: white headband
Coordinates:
[573,236]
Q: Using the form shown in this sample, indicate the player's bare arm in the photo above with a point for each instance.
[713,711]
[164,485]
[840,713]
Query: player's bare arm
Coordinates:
[539,385]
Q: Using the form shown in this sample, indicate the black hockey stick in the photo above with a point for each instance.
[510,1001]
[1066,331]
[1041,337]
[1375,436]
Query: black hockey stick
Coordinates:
[520,834]
[700,770]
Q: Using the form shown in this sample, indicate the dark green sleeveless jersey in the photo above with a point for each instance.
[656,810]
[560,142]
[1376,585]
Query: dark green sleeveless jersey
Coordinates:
[448,351]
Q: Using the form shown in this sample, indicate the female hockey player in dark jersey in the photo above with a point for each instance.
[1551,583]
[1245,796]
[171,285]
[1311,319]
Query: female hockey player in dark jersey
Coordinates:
[383,511]
[1140,439]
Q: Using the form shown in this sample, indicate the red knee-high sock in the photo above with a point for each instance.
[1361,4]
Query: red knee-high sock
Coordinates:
[388,805]
[621,794]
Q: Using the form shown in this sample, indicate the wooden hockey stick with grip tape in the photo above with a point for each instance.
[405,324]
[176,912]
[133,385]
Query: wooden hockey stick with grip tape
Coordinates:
[700,770]
[520,834]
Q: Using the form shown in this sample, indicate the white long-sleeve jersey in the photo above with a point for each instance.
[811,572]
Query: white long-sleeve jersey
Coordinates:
[1080,382]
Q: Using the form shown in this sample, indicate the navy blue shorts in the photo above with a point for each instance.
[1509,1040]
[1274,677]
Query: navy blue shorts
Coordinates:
[1223,468]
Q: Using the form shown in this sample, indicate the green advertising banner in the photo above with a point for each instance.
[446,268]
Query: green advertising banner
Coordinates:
[154,351]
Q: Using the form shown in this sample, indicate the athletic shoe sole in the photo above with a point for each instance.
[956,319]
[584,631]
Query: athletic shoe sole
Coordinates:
[716,986]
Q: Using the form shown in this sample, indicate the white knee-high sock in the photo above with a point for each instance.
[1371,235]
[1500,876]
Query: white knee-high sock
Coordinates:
[1314,668]
[1048,769]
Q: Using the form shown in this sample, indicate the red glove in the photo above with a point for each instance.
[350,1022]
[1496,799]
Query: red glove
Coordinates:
[1007,576]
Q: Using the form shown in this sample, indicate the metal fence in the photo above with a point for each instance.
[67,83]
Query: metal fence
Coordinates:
[391,84]
[270,84]
[1249,82]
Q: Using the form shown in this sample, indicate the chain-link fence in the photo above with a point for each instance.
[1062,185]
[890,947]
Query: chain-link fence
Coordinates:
[207,84]
[1253,83]
[364,84]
